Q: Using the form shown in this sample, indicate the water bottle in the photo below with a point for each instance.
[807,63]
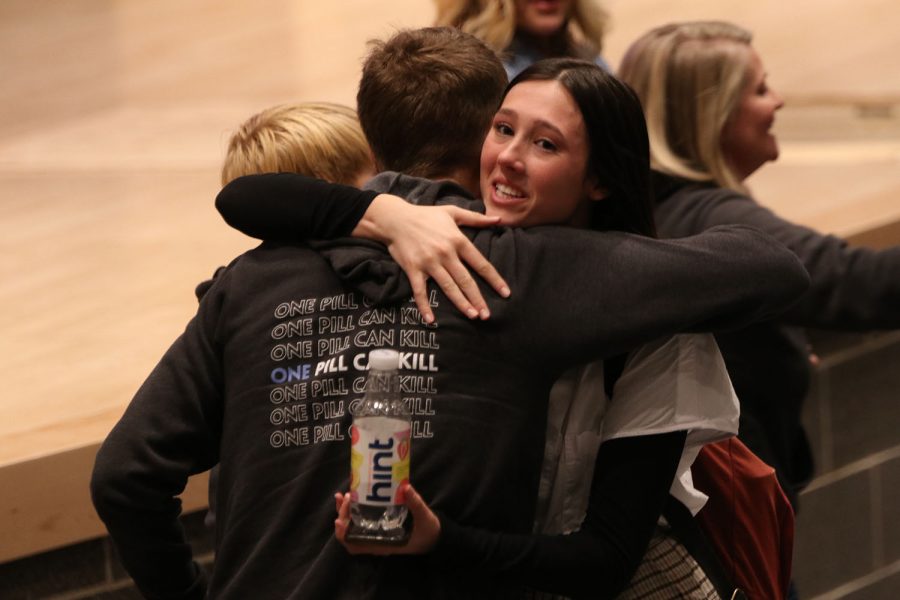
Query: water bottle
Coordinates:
[379,456]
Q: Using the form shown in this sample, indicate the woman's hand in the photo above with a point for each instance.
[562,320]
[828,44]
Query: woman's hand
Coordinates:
[426,242]
[425,532]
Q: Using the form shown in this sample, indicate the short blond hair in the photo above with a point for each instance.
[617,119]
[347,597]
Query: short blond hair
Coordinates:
[319,139]
[494,22]
[690,77]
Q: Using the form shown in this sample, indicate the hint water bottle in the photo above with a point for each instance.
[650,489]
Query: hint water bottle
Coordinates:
[379,456]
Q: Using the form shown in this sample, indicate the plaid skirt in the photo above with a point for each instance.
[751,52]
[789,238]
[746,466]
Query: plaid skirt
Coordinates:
[667,572]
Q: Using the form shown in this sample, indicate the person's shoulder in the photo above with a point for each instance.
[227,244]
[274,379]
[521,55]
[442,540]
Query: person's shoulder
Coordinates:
[424,192]
[682,190]
[269,252]
[266,258]
[685,207]
[518,56]
[557,238]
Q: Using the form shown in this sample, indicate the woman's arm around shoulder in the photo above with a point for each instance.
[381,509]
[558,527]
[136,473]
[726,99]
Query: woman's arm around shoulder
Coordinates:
[424,240]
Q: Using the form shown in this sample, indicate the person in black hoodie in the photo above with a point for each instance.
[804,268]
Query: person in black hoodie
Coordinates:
[263,377]
[709,113]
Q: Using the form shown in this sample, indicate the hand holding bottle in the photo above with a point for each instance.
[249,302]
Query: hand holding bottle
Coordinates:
[426,529]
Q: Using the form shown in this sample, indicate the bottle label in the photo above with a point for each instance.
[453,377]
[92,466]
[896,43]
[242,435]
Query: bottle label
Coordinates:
[379,460]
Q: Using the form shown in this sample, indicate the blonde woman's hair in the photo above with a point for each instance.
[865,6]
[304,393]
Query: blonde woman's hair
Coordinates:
[690,77]
[494,22]
[319,139]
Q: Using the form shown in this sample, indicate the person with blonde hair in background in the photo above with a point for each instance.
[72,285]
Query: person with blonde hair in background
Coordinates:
[709,112]
[526,31]
[693,79]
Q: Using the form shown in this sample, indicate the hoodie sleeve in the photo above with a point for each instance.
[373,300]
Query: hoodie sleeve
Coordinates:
[168,432]
[630,486]
[851,288]
[287,207]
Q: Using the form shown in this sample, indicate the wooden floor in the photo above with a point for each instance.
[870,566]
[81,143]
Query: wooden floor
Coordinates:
[113,121]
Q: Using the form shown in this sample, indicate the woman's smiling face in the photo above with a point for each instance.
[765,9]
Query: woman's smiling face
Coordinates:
[534,159]
[747,140]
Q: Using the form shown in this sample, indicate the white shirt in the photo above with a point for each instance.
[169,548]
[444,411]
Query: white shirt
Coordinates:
[677,384]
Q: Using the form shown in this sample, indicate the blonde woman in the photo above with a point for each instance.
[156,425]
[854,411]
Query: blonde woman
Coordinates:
[525,31]
[709,113]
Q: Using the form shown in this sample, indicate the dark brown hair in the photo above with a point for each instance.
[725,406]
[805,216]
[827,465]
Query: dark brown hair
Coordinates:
[426,100]
[619,150]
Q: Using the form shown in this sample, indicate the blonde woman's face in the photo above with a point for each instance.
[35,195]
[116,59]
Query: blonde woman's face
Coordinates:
[747,139]
[542,18]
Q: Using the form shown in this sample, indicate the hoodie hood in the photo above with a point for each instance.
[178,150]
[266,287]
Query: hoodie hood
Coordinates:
[366,266]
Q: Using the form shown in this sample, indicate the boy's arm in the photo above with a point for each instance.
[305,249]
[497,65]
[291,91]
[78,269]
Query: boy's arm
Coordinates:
[168,432]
